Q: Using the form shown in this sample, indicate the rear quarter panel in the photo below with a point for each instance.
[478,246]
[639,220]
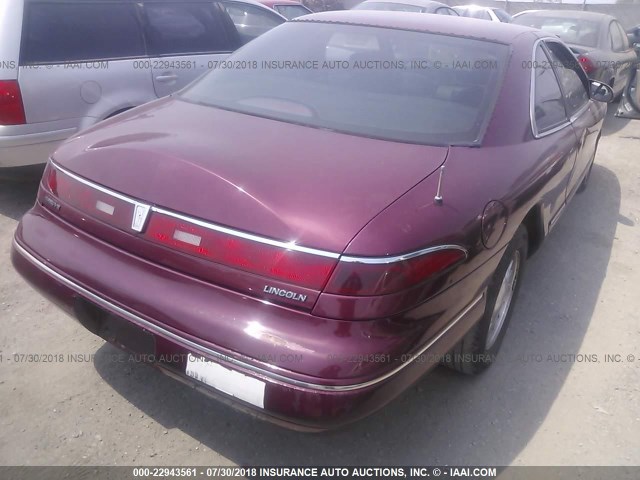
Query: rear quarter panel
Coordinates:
[10,31]
[512,167]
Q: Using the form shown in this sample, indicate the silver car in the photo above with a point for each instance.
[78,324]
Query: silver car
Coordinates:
[67,64]
[493,14]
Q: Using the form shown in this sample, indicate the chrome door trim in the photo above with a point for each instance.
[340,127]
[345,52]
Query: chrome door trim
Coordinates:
[532,94]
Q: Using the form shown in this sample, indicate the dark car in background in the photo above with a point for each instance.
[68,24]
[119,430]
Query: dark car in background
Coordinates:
[289,9]
[309,240]
[633,34]
[416,6]
[598,41]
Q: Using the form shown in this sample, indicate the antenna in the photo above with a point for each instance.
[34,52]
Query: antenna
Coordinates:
[438,198]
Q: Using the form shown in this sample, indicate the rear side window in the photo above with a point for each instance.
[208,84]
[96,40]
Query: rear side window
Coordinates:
[291,11]
[62,32]
[549,111]
[184,28]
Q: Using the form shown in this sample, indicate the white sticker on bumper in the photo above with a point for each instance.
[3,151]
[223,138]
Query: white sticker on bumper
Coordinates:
[233,383]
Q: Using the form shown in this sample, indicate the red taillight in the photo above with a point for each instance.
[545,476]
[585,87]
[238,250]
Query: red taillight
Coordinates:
[287,262]
[587,64]
[106,207]
[51,178]
[11,107]
[359,277]
[292,266]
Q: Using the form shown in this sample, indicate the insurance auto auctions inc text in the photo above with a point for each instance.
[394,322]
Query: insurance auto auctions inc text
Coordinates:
[377,472]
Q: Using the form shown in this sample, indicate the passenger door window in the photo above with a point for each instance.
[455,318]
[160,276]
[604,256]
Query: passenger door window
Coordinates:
[79,32]
[251,21]
[548,101]
[573,80]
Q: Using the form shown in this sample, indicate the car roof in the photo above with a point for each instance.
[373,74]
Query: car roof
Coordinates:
[439,24]
[578,14]
[416,3]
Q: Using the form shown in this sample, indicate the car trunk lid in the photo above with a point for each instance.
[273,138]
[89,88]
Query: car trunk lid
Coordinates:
[287,198]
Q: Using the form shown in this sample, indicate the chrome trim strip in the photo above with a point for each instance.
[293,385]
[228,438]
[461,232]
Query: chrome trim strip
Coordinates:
[210,226]
[247,236]
[580,111]
[141,322]
[140,210]
[256,238]
[94,185]
[400,258]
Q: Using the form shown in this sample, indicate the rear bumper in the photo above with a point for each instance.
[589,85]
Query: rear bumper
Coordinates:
[322,391]
[32,148]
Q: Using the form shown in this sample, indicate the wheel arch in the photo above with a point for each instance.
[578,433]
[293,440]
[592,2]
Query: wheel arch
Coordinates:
[534,224]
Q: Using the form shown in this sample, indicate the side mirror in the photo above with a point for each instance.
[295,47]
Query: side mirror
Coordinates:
[601,92]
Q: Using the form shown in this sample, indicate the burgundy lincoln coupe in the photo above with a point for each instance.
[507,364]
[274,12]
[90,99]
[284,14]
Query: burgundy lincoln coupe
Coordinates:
[345,203]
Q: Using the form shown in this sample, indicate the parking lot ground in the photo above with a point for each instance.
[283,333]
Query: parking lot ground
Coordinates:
[564,391]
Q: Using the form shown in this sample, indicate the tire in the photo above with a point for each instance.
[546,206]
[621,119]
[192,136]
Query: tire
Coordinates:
[478,348]
[617,97]
[585,181]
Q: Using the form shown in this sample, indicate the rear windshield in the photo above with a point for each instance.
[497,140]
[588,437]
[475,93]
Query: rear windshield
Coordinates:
[570,30]
[502,15]
[291,11]
[473,13]
[393,84]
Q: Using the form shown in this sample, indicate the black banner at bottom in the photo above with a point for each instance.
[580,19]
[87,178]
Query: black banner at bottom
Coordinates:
[320,473]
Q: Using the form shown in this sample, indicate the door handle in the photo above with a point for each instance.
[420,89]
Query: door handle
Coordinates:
[167,78]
